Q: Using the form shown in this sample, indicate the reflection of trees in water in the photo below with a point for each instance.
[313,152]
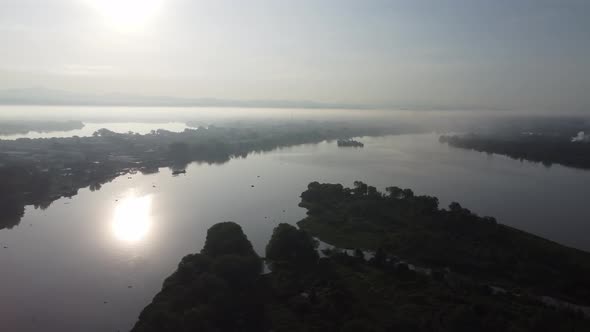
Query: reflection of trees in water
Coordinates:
[41,177]
[12,210]
[43,205]
[547,150]
[27,185]
[13,183]
[95,186]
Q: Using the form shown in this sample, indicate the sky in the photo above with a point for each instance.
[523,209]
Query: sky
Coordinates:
[497,54]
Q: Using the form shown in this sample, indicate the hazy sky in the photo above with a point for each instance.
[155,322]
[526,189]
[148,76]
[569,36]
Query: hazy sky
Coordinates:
[498,54]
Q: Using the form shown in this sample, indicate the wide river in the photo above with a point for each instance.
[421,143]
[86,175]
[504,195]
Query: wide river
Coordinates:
[92,262]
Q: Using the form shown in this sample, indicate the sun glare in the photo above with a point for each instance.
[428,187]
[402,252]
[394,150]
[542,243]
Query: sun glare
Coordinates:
[132,218]
[127,14]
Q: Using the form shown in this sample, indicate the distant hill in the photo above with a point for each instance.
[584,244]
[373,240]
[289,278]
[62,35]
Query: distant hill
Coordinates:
[44,96]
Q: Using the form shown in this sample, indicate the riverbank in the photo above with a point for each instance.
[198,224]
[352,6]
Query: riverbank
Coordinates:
[222,288]
[39,171]
[406,225]
[546,149]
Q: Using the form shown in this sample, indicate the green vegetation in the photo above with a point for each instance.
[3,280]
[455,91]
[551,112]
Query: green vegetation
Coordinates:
[216,290]
[221,289]
[39,171]
[291,246]
[344,293]
[413,227]
[544,148]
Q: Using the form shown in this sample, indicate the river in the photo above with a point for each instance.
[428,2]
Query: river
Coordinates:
[92,262]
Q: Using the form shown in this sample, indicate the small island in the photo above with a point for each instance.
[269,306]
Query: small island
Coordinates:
[349,143]
[482,276]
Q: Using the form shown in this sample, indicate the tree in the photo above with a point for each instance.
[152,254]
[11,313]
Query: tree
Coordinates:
[372,192]
[291,246]
[227,238]
[455,207]
[408,193]
[360,188]
[395,192]
[238,271]
[216,290]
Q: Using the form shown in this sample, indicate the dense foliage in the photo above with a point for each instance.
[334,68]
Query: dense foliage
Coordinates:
[546,149]
[413,227]
[289,245]
[221,289]
[344,293]
[216,290]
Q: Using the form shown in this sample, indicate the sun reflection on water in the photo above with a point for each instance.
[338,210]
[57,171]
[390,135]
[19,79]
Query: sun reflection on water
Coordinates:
[132,218]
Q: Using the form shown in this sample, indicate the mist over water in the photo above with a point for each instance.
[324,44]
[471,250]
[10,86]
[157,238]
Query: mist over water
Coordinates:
[144,119]
[103,272]
[439,149]
[103,253]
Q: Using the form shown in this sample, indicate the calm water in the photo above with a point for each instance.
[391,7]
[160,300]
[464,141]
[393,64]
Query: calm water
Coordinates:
[116,245]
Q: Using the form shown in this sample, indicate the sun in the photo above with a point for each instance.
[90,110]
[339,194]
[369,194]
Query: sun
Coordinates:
[132,219]
[127,14]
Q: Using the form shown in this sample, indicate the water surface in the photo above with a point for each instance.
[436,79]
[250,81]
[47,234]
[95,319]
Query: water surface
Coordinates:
[92,262]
